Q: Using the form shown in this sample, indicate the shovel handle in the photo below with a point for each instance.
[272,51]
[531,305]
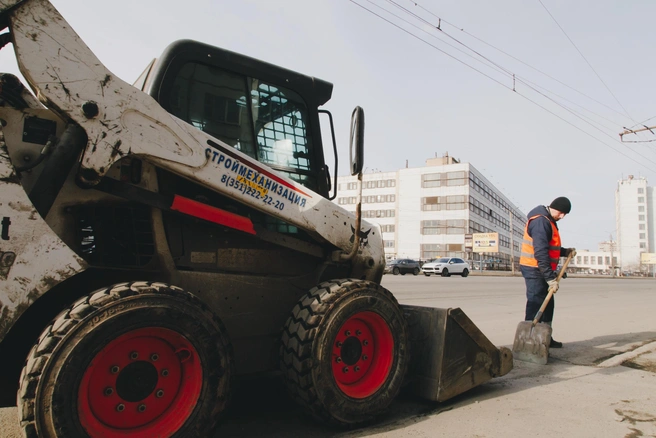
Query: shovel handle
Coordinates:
[538,315]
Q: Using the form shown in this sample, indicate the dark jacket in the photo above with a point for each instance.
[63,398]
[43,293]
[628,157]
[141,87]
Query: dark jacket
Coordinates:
[541,232]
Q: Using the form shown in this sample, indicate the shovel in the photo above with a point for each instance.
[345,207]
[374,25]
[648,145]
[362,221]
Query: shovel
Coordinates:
[532,338]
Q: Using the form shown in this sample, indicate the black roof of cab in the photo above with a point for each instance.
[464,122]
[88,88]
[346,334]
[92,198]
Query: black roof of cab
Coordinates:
[314,91]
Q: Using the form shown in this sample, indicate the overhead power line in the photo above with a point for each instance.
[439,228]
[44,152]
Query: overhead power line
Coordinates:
[495,66]
[480,57]
[519,60]
[586,60]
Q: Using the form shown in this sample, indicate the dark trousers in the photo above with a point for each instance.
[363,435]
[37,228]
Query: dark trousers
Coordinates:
[536,291]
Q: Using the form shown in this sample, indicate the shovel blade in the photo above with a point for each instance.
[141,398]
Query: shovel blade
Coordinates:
[532,343]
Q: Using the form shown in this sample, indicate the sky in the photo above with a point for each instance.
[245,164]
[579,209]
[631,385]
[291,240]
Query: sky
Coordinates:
[533,93]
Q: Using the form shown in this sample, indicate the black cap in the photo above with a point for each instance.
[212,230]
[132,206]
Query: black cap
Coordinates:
[561,204]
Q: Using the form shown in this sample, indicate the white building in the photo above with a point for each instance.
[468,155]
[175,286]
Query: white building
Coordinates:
[635,221]
[425,212]
[594,262]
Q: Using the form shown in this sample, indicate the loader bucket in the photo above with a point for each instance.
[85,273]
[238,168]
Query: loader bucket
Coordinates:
[449,354]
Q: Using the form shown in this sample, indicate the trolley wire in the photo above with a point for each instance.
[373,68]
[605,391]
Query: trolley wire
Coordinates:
[498,68]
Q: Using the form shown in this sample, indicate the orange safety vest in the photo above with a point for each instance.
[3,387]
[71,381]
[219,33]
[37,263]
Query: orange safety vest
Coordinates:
[528,254]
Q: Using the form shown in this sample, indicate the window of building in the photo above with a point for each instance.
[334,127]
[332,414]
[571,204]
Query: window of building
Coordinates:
[641,236]
[641,199]
[378,213]
[585,260]
[451,226]
[593,260]
[431,251]
[388,243]
[641,217]
[352,186]
[347,200]
[457,178]
[641,190]
[431,180]
[430,203]
[641,226]
[607,260]
[614,261]
[641,208]
[456,202]
[600,260]
[578,260]
[388,228]
[643,245]
[378,199]
[434,250]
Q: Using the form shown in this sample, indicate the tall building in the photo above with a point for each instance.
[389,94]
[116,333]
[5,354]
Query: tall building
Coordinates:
[425,212]
[635,220]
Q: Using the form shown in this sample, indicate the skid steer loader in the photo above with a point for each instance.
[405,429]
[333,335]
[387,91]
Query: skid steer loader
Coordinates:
[160,239]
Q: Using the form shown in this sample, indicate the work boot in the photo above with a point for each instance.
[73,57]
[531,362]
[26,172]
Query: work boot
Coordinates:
[555,344]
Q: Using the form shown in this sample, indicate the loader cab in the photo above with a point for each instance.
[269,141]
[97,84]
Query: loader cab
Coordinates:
[265,111]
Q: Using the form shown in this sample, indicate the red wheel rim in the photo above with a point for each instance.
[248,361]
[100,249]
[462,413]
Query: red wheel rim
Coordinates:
[144,383]
[362,354]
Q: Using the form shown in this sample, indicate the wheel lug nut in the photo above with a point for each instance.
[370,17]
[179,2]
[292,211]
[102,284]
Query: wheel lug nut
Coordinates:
[357,369]
[109,391]
[159,393]
[120,407]
[115,369]
[365,342]
[358,333]
[348,333]
[165,372]
[134,355]
[345,370]
[154,357]
[365,357]
[338,359]
[339,344]
[141,408]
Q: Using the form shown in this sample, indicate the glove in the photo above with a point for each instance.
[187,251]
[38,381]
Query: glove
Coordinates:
[553,285]
[568,251]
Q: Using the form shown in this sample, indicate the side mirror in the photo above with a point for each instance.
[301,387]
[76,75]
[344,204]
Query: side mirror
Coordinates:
[356,143]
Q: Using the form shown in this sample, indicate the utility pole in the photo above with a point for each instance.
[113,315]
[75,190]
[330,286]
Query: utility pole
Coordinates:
[512,245]
[612,262]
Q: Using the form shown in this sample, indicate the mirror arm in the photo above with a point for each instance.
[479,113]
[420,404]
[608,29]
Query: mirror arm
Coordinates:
[358,223]
[332,132]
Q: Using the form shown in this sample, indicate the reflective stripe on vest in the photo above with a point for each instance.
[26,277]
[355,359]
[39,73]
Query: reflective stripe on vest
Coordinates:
[528,254]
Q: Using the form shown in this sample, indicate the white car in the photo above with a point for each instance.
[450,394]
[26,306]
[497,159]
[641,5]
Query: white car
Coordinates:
[446,266]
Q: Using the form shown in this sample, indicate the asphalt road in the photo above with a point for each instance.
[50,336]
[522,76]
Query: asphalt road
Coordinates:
[601,384]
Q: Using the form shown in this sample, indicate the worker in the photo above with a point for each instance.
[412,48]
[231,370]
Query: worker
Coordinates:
[541,251]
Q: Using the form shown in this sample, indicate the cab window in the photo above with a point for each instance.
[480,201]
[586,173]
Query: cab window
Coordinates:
[265,121]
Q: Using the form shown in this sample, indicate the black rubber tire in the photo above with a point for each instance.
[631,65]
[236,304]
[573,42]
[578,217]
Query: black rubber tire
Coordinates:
[445,273]
[395,271]
[306,350]
[427,275]
[415,271]
[50,380]
[465,272]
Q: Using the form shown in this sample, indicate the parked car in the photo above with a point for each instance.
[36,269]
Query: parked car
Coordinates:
[403,266]
[446,266]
